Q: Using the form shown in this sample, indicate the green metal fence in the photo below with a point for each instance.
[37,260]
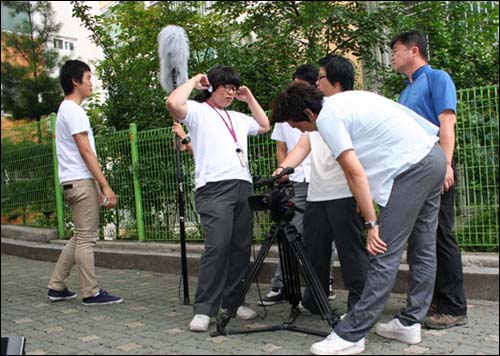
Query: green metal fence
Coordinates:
[141,169]
[476,155]
[27,175]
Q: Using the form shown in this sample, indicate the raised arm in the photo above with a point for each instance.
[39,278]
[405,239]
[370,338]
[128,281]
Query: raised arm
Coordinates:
[177,100]
[244,94]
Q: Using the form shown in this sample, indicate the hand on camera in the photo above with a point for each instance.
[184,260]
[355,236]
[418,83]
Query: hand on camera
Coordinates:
[277,172]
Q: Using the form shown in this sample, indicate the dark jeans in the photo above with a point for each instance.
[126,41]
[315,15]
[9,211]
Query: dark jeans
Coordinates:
[449,295]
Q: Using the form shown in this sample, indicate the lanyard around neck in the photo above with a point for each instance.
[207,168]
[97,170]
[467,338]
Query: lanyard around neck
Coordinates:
[229,128]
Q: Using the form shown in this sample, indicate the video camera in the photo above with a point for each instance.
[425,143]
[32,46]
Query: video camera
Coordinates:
[277,198]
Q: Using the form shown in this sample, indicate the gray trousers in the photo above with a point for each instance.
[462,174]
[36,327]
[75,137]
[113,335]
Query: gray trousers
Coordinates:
[226,221]
[411,217]
[299,199]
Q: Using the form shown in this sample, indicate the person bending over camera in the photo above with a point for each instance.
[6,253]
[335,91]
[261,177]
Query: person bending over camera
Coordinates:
[330,215]
[389,155]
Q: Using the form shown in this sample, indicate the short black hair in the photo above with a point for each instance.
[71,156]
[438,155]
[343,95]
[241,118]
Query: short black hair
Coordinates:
[412,38]
[307,72]
[221,75]
[291,103]
[339,70]
[72,70]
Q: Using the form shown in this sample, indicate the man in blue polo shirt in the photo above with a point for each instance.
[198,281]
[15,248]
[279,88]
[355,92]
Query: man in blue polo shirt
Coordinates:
[431,93]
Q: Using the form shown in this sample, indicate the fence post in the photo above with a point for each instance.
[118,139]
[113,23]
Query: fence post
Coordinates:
[57,186]
[137,185]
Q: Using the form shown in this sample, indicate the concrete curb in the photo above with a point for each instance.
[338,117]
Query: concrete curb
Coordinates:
[481,271]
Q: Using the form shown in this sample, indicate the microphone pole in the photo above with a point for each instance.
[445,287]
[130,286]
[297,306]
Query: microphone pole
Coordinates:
[181,206]
[173,50]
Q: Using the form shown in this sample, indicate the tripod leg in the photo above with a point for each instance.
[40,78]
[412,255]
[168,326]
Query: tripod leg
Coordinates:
[290,269]
[310,276]
[291,276]
[247,280]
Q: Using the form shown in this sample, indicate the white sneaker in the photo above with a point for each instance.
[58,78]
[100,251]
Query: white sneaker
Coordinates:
[397,331]
[200,322]
[245,313]
[335,345]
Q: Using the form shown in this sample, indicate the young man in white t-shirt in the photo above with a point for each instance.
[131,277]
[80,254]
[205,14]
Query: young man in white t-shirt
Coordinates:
[389,155]
[80,176]
[331,215]
[223,185]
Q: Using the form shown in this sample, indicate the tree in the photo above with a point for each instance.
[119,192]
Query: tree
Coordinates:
[29,88]
[462,39]
[285,34]
[128,36]
[265,47]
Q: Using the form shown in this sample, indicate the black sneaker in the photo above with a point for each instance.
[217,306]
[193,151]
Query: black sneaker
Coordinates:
[102,298]
[56,295]
[274,296]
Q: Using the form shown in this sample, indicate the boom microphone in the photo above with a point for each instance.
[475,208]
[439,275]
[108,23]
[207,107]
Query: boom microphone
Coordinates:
[173,50]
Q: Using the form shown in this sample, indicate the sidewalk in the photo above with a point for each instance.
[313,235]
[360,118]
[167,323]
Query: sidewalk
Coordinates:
[152,320]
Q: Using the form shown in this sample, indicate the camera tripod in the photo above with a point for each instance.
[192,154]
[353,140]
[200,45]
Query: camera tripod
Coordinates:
[292,258]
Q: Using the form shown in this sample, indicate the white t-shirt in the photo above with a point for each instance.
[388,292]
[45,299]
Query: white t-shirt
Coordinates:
[328,181]
[213,145]
[387,137]
[71,120]
[283,132]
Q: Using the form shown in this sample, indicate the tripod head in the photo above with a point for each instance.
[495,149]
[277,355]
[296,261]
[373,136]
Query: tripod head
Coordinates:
[276,198]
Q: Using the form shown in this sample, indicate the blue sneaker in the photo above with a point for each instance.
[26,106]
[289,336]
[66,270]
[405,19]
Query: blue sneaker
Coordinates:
[102,298]
[65,294]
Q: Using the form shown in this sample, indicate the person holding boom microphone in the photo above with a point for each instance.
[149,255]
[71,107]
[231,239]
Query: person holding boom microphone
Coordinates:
[223,185]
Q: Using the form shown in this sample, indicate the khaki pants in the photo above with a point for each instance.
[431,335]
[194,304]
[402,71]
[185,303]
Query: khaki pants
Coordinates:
[83,199]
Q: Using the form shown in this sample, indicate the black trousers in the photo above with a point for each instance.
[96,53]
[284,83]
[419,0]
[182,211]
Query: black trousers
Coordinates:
[336,220]
[449,295]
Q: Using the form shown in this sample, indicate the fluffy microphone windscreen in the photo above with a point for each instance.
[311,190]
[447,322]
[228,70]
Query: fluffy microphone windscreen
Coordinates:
[173,49]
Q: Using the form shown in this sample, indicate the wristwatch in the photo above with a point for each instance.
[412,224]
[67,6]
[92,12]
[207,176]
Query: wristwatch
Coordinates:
[186,140]
[370,224]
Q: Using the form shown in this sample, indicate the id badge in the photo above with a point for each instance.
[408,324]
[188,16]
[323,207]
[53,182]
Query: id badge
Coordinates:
[241,156]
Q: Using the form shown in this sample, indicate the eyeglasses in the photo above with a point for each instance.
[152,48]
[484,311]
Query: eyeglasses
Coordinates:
[230,88]
[321,77]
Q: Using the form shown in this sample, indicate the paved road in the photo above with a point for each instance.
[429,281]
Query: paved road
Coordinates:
[152,320]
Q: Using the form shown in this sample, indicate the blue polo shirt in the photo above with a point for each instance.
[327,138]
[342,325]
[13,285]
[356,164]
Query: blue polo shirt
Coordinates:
[431,93]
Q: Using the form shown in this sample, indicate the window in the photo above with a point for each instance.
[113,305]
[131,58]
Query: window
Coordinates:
[69,45]
[58,43]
